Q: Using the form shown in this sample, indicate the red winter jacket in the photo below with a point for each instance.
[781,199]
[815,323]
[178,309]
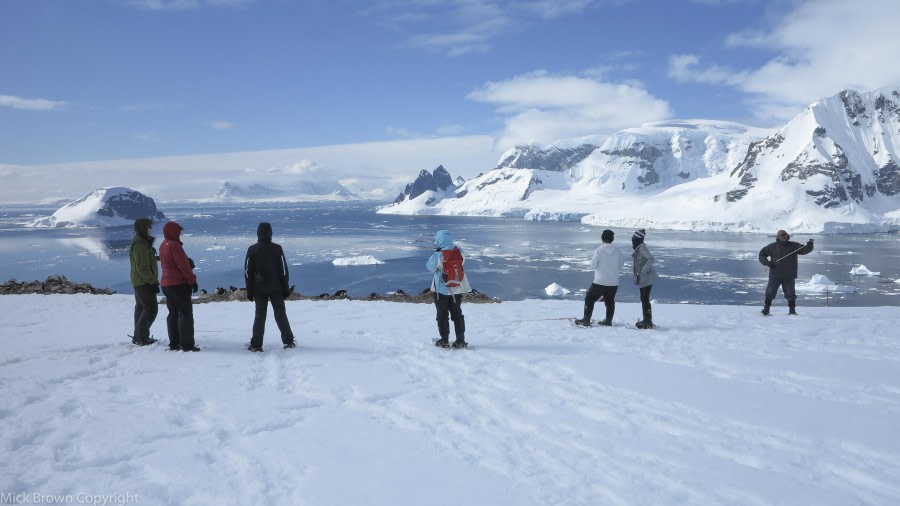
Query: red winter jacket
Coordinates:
[176,269]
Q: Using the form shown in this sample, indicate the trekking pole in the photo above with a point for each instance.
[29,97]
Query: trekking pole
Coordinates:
[782,258]
[791,253]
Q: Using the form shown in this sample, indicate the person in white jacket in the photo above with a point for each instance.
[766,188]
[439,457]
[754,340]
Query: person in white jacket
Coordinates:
[607,263]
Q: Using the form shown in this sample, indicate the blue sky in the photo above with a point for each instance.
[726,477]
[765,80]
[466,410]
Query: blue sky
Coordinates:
[126,79]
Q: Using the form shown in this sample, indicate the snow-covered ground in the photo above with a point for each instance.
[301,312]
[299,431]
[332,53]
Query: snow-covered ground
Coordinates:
[718,406]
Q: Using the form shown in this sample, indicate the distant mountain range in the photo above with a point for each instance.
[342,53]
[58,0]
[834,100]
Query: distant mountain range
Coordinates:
[833,168]
[291,190]
[105,207]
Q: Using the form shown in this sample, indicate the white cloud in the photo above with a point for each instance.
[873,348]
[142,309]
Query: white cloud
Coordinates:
[30,104]
[542,108]
[820,47]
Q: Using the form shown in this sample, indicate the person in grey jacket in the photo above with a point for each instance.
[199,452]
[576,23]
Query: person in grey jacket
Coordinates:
[644,276]
[781,259]
[607,263]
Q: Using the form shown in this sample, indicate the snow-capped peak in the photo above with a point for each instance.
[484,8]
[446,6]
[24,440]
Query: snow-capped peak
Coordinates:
[104,207]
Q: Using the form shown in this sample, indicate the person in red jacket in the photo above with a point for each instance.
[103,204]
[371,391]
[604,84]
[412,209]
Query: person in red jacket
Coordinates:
[178,281]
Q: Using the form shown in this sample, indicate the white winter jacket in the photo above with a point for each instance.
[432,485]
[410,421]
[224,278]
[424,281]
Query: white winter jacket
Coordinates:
[607,263]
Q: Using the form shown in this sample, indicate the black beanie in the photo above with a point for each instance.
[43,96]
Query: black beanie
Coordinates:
[607,236]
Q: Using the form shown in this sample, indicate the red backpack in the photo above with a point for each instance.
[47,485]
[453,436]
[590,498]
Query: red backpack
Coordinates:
[453,272]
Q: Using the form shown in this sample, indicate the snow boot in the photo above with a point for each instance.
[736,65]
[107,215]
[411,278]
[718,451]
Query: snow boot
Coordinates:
[606,323]
[460,343]
[256,349]
[290,345]
[792,307]
[647,322]
[442,343]
[583,323]
[765,309]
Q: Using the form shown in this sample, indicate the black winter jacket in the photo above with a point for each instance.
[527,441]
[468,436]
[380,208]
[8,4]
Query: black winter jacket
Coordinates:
[786,268]
[265,268]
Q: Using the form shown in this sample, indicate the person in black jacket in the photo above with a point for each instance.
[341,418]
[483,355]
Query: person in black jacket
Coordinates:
[781,259]
[266,277]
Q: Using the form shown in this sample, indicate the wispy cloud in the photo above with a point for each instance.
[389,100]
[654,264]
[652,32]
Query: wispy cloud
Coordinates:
[145,136]
[467,26]
[30,104]
[541,108]
[181,5]
[221,125]
[819,50]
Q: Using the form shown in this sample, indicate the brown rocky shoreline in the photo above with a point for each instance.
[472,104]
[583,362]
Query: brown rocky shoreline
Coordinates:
[58,284]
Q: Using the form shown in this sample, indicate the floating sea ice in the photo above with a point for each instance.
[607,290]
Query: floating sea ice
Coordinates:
[821,284]
[360,260]
[860,270]
[555,290]
[565,267]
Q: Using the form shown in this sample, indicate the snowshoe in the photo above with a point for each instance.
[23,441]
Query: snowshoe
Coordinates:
[442,342]
[459,344]
[643,325]
[143,342]
[290,345]
[581,323]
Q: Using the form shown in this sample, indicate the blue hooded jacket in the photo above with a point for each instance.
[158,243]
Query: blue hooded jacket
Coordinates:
[444,241]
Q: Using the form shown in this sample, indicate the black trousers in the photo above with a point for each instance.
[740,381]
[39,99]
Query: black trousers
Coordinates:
[180,321]
[146,307]
[259,321]
[787,285]
[449,307]
[645,299]
[593,295]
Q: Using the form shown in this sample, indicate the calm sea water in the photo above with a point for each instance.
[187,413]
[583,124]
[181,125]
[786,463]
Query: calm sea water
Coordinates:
[506,258]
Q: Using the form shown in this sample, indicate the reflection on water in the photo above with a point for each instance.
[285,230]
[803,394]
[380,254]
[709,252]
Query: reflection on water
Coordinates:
[509,259]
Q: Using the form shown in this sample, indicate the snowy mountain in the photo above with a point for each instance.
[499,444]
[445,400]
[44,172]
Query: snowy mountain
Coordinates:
[833,168]
[104,207]
[292,191]
[840,153]
[429,187]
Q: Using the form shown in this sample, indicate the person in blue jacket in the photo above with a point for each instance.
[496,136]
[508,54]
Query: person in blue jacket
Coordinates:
[447,299]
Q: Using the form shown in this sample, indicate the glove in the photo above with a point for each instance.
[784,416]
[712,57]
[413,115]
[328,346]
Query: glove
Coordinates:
[250,296]
[289,291]
[195,287]
[809,242]
[191,262]
[158,289]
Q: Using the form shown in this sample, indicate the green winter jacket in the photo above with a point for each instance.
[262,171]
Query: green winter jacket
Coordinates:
[144,268]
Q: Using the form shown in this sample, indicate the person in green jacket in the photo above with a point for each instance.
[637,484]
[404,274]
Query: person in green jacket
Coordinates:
[145,280]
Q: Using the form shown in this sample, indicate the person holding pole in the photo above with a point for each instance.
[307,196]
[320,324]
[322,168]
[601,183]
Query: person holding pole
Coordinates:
[781,259]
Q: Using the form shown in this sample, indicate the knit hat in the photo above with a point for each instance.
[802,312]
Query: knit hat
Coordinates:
[607,236]
[637,238]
